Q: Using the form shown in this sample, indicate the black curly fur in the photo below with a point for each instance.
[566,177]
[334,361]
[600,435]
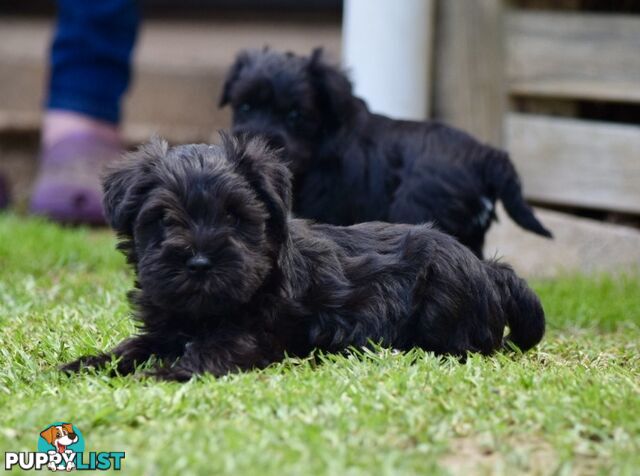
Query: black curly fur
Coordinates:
[279,285]
[353,166]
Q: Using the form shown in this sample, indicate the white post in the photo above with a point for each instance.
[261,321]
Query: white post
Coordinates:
[387,51]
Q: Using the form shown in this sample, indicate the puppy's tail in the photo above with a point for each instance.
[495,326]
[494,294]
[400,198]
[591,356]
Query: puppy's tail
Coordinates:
[523,310]
[501,175]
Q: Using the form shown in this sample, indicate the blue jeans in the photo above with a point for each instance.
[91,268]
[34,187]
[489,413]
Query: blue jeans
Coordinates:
[91,56]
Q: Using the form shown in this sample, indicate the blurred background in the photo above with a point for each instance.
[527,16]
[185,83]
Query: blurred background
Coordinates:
[555,82]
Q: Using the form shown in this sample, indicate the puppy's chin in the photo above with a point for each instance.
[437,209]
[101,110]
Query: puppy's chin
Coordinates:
[294,151]
[297,156]
[212,293]
[298,159]
[199,305]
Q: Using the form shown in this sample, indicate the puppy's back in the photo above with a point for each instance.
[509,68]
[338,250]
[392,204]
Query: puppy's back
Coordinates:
[420,250]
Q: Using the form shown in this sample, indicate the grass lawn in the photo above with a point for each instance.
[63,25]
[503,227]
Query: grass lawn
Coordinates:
[571,406]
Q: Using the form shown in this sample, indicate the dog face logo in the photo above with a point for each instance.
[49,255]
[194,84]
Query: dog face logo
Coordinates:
[60,436]
[63,440]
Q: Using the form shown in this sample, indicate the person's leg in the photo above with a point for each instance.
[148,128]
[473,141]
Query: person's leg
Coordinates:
[90,57]
[90,71]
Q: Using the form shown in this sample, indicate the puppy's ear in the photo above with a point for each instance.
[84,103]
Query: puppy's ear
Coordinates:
[49,434]
[242,60]
[127,184]
[333,89]
[268,175]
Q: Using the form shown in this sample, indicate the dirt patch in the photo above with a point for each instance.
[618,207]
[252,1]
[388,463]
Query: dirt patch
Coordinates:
[484,455]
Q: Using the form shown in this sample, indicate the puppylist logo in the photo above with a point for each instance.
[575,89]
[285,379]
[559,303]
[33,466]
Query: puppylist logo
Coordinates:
[61,448]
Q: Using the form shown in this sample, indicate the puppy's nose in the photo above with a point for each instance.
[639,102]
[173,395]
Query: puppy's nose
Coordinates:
[198,263]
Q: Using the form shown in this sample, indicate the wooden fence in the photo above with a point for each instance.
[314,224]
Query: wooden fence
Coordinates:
[558,84]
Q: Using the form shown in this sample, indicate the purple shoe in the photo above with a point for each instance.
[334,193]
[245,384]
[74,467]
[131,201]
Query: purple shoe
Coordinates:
[68,188]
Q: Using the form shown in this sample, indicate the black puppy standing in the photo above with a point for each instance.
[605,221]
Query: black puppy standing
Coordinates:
[227,281]
[352,166]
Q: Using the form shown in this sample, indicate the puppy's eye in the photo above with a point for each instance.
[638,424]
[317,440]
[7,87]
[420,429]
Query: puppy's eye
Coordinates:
[293,116]
[166,221]
[232,219]
[244,108]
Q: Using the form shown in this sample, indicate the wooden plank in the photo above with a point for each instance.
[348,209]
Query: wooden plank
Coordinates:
[546,4]
[579,245]
[19,123]
[180,66]
[469,88]
[573,162]
[574,55]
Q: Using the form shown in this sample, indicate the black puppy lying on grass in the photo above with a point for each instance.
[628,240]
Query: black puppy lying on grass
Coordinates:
[352,166]
[227,281]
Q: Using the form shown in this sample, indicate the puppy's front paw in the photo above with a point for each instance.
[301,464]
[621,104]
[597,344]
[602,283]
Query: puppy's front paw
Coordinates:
[71,367]
[86,362]
[170,374]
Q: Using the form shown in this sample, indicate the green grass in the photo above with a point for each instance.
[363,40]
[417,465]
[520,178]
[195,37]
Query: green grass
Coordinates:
[571,406]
